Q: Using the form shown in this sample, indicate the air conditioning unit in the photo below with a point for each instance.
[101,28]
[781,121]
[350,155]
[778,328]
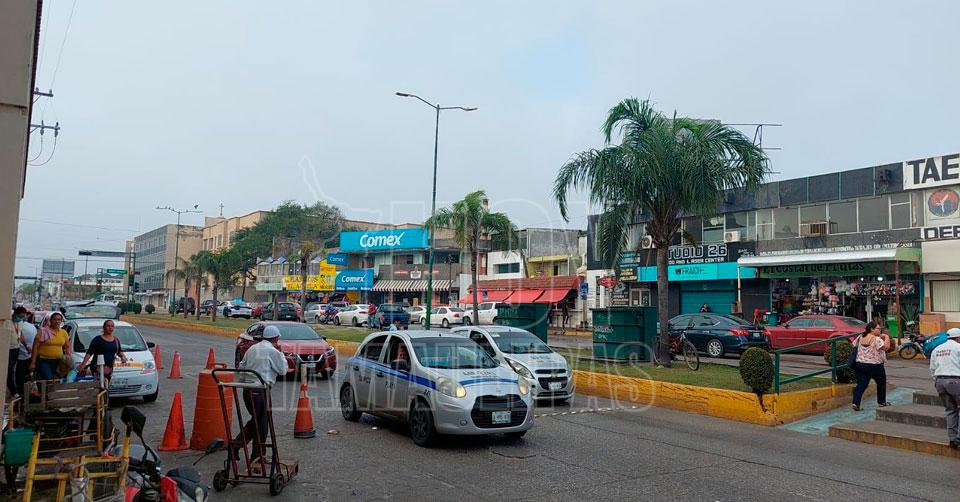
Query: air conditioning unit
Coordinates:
[731,236]
[646,242]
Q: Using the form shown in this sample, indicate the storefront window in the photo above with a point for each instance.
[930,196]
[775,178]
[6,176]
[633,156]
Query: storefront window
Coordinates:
[765,225]
[745,223]
[813,220]
[785,221]
[713,229]
[874,214]
[843,217]
[900,210]
[693,228]
[945,296]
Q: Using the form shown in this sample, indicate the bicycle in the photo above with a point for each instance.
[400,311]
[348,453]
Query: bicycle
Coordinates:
[684,351]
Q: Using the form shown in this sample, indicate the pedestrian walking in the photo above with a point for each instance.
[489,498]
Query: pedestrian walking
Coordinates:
[264,358]
[945,368]
[871,353]
[704,308]
[565,314]
[107,345]
[28,333]
[50,348]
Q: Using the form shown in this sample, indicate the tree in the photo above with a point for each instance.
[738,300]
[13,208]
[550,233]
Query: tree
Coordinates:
[223,266]
[471,220]
[193,274]
[662,168]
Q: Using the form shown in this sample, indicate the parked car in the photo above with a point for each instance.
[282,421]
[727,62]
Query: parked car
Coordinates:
[191,305]
[355,315]
[719,334]
[387,314]
[300,344]
[443,316]
[487,313]
[549,373]
[138,377]
[437,384]
[314,311]
[416,312]
[811,328]
[236,309]
[287,312]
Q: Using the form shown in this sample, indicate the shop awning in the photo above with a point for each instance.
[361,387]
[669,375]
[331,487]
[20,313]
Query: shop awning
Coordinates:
[868,255]
[492,296]
[409,286]
[526,295]
[553,296]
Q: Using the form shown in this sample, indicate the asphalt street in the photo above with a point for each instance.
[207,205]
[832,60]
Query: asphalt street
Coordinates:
[593,449]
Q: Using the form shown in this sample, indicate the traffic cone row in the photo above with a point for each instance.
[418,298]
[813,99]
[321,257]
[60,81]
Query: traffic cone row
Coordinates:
[175,369]
[174,437]
[303,425]
[156,356]
[211,359]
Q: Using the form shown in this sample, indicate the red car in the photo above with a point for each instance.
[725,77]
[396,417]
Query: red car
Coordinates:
[810,328]
[300,344]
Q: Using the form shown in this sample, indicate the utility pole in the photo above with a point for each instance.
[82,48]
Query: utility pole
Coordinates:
[176,253]
[433,205]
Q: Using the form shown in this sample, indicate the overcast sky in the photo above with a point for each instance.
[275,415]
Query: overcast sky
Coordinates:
[251,103]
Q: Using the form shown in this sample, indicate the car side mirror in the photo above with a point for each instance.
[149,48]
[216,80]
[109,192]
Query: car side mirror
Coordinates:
[323,337]
[151,345]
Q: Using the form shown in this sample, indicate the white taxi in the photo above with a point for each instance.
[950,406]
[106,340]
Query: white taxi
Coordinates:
[549,373]
[437,384]
[138,377]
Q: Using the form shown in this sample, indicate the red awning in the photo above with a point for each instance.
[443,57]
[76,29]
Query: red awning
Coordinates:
[492,296]
[525,295]
[553,296]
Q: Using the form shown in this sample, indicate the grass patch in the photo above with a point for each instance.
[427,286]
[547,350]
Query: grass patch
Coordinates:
[191,320]
[717,376]
[345,333]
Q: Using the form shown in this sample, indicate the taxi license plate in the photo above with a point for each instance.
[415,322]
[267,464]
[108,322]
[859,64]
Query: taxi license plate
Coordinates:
[309,366]
[118,382]
[756,335]
[500,417]
[555,385]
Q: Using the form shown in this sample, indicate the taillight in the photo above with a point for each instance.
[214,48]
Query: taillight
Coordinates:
[456,315]
[739,332]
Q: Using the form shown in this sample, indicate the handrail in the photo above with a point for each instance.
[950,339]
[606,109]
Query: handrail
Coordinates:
[833,369]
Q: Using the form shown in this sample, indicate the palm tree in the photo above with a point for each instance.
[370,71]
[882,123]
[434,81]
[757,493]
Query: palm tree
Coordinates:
[662,168]
[223,267]
[471,220]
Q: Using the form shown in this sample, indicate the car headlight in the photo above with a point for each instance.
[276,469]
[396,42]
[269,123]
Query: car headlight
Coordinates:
[520,368]
[451,388]
[148,368]
[524,386]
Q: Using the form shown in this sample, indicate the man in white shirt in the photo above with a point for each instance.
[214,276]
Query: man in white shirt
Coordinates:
[945,368]
[269,363]
[27,333]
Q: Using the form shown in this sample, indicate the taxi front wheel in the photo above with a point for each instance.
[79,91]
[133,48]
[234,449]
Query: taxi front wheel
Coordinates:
[348,404]
[422,429]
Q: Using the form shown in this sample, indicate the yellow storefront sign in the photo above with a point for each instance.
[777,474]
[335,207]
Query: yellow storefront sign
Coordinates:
[321,282]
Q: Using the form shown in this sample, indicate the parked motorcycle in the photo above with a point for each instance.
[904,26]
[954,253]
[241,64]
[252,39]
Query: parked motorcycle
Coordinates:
[145,481]
[327,316]
[915,346]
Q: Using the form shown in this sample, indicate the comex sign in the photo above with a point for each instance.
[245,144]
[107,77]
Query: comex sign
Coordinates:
[406,238]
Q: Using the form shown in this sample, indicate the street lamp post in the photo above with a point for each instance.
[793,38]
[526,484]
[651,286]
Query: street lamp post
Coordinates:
[433,200]
[176,254]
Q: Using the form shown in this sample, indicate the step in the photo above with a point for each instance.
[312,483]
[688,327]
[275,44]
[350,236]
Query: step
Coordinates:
[914,414]
[928,398]
[894,435]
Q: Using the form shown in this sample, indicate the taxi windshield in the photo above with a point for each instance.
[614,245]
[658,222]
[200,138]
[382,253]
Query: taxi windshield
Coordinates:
[130,339]
[93,311]
[519,342]
[451,353]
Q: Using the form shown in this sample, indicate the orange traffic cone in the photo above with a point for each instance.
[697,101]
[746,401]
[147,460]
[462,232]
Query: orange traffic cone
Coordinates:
[175,369]
[174,437]
[156,356]
[208,422]
[211,360]
[303,425]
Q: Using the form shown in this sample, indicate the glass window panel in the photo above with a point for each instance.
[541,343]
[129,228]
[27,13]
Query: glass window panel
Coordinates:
[737,221]
[843,217]
[918,207]
[899,198]
[945,296]
[900,216]
[813,214]
[693,228]
[713,229]
[764,219]
[874,214]
[785,221]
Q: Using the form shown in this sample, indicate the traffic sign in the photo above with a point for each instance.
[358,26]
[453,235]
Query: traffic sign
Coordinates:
[116,271]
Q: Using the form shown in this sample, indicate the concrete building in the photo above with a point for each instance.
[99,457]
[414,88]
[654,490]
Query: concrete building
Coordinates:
[155,259]
[219,232]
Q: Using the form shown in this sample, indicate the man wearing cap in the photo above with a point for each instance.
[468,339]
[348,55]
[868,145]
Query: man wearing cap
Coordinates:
[945,368]
[269,363]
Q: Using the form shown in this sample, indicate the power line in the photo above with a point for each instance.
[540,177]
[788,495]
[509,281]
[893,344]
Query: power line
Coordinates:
[77,225]
[43,32]
[55,141]
[63,43]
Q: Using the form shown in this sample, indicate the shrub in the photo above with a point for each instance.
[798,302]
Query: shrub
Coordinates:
[150,308]
[122,305]
[171,309]
[846,375]
[136,307]
[756,370]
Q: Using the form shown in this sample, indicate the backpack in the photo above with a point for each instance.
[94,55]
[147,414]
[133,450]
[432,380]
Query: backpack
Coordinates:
[933,342]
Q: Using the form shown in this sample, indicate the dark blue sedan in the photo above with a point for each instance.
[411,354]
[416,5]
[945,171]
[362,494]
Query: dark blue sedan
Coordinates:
[719,334]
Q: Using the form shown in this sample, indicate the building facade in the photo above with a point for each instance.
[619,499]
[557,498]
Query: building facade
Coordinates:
[848,243]
[155,257]
[219,232]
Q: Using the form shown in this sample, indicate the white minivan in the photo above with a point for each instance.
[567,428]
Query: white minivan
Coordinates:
[137,378]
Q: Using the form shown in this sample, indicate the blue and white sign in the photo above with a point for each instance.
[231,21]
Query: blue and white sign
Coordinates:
[378,240]
[584,290]
[337,259]
[354,280]
[697,272]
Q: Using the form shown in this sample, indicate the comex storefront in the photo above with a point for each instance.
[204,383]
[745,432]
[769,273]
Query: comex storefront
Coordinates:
[862,282]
